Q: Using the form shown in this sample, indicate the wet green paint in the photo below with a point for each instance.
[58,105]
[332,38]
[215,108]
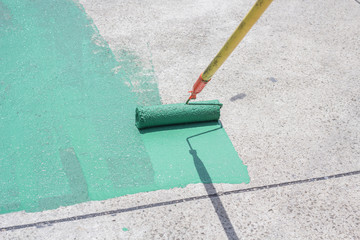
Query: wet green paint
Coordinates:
[67,108]
[67,112]
[193,153]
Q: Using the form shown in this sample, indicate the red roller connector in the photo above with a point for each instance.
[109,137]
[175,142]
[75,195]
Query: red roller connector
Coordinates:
[197,88]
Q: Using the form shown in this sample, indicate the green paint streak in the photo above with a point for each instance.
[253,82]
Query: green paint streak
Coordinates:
[142,82]
[67,117]
[193,153]
[125,229]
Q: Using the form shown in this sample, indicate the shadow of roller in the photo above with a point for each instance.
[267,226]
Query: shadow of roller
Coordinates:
[211,190]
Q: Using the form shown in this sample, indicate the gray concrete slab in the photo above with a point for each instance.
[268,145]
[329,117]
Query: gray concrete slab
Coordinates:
[298,112]
[327,209]
[291,108]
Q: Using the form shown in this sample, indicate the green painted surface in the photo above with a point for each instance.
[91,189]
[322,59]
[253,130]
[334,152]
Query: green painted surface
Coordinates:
[67,120]
[67,117]
[193,153]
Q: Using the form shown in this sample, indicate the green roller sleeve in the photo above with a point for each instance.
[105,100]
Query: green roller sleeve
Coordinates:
[161,115]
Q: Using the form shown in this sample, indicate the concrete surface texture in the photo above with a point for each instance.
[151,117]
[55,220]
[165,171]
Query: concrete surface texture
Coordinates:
[291,109]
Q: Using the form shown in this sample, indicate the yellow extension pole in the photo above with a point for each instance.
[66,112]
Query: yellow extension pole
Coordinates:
[240,32]
[254,14]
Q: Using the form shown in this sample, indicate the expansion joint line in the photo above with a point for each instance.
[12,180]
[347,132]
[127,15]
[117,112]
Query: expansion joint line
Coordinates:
[147,206]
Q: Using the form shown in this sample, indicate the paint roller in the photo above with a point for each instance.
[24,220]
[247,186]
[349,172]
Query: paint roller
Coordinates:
[170,114]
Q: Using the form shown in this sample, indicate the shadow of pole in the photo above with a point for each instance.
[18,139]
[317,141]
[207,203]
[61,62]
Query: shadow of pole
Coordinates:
[211,190]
